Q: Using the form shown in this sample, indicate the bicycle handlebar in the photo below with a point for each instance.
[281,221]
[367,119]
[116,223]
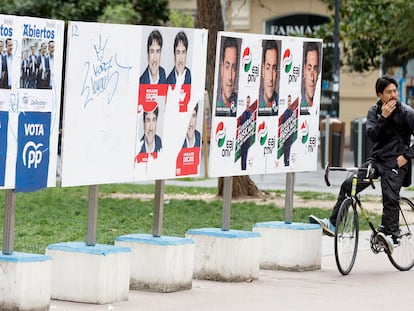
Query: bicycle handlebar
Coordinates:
[368,169]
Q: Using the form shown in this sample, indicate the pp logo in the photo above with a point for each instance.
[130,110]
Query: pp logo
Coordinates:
[220,134]
[287,60]
[247,59]
[31,155]
[262,133]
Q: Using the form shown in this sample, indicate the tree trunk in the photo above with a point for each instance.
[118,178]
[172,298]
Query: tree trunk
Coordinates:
[209,15]
[242,186]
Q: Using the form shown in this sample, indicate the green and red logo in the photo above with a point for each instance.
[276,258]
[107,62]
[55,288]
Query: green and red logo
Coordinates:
[247,59]
[287,60]
[220,134]
[304,131]
[262,133]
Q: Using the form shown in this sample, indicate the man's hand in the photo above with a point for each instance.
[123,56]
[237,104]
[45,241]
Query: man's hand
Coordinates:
[388,108]
[401,161]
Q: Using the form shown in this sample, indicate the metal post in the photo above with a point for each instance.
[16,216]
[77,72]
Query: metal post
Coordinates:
[327,142]
[359,154]
[158,208]
[226,211]
[92,215]
[9,220]
[290,182]
[335,88]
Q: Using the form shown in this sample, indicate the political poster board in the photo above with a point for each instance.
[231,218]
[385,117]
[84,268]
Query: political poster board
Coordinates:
[120,124]
[266,101]
[31,52]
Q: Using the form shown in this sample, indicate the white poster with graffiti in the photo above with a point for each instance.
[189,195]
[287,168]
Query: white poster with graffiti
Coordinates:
[266,104]
[134,111]
[31,51]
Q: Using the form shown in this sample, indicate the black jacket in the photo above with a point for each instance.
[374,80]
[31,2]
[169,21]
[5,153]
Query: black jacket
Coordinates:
[391,136]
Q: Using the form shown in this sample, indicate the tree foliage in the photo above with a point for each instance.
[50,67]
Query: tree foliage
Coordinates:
[145,12]
[374,33]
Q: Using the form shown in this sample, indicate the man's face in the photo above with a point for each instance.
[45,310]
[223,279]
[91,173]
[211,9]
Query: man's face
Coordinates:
[1,47]
[310,74]
[389,93]
[247,103]
[33,49]
[43,49]
[154,57]
[192,126]
[51,48]
[228,72]
[9,47]
[289,101]
[269,73]
[150,126]
[180,55]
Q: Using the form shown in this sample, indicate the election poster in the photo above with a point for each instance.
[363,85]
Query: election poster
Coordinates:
[135,112]
[266,104]
[30,93]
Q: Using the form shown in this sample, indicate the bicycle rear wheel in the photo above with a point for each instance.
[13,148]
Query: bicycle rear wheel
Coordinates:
[346,236]
[402,256]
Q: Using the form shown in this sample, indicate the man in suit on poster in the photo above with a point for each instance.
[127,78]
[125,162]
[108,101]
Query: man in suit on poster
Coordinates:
[7,60]
[269,97]
[180,58]
[154,73]
[43,73]
[227,96]
[310,76]
[33,66]
[151,142]
[193,137]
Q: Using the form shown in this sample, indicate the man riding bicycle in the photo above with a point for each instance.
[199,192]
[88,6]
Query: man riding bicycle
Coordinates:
[390,125]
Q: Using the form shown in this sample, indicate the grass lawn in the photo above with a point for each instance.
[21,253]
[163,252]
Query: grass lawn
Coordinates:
[58,214]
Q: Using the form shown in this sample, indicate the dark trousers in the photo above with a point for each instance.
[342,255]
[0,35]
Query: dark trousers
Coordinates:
[392,178]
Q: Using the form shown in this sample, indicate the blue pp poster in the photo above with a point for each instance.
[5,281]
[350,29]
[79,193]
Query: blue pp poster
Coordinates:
[32,151]
[4,123]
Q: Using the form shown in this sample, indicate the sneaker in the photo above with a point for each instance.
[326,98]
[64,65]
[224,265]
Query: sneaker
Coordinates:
[327,227]
[386,241]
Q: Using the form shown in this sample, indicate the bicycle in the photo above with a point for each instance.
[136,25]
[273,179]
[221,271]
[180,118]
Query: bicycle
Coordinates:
[347,228]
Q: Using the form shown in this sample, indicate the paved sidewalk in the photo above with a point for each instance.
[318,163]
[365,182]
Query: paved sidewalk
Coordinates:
[374,284]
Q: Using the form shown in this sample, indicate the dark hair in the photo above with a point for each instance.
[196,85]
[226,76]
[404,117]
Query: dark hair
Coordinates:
[196,108]
[181,36]
[230,42]
[155,111]
[269,45]
[155,35]
[309,47]
[383,82]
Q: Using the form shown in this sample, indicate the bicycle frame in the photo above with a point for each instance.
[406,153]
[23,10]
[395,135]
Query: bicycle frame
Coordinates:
[401,254]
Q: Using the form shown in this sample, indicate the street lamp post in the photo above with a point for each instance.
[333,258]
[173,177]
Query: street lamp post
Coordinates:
[335,88]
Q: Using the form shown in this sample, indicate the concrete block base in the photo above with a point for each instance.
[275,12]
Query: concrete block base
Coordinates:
[230,256]
[25,281]
[91,274]
[291,247]
[160,264]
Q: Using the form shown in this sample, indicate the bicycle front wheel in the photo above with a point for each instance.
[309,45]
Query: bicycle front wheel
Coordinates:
[346,236]
[402,256]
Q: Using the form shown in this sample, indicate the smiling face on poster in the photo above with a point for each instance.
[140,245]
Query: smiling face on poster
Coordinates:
[226,93]
[311,76]
[178,97]
[267,134]
[269,87]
